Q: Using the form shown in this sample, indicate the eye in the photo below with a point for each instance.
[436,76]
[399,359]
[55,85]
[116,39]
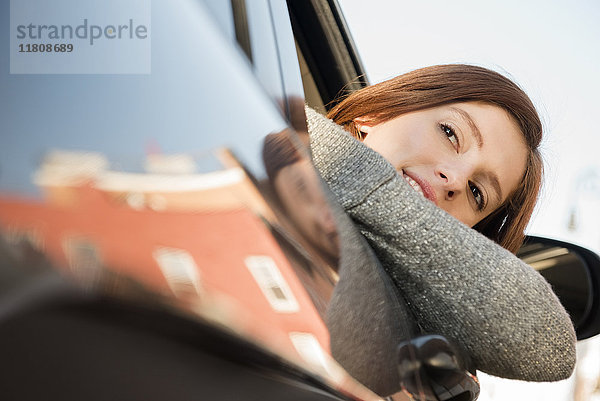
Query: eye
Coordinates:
[450,134]
[477,196]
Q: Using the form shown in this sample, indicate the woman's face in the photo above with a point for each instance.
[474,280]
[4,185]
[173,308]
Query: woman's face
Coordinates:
[467,158]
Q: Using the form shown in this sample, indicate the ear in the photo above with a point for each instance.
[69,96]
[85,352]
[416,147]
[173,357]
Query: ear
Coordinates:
[364,126]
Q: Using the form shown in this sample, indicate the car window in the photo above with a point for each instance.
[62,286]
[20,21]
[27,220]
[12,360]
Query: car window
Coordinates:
[161,177]
[263,32]
[250,25]
[179,107]
[191,177]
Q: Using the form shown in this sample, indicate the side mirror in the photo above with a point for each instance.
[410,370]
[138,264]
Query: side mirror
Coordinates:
[574,274]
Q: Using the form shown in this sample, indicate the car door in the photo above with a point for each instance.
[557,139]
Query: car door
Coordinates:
[154,184]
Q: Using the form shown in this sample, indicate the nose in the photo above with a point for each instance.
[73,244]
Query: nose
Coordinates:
[452,181]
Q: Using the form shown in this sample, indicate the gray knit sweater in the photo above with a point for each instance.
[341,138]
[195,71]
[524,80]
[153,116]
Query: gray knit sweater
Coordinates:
[456,282]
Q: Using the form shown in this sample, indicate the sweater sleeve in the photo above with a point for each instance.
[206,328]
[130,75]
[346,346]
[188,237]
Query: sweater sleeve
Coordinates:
[457,282]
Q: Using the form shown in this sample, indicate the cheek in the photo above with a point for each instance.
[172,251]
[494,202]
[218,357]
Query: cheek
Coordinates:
[403,147]
[461,212]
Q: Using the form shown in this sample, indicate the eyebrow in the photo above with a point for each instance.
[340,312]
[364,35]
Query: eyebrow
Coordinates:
[474,128]
[491,176]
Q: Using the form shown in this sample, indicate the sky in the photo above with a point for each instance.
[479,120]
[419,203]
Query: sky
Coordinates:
[550,48]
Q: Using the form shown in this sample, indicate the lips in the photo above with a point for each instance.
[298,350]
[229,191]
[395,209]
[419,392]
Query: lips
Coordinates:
[420,185]
[415,185]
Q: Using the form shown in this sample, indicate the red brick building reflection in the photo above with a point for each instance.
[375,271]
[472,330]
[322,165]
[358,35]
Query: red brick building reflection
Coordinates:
[204,238]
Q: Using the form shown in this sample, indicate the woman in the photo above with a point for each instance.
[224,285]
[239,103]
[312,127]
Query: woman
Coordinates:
[465,139]
[370,109]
